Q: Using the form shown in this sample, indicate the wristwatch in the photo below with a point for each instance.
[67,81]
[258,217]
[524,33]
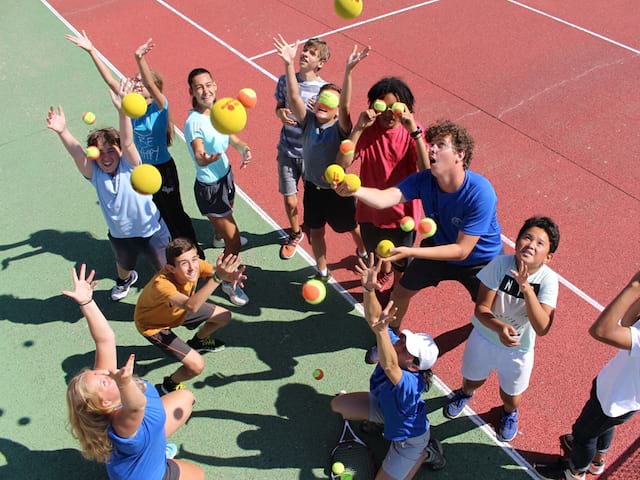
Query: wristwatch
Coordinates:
[416,134]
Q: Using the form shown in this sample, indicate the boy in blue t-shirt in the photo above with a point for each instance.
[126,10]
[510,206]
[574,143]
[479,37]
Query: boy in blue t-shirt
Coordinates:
[516,302]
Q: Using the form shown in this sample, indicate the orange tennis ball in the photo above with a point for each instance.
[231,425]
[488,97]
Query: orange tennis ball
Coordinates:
[347,147]
[352,181]
[348,9]
[379,106]
[134,105]
[427,227]
[146,179]
[384,248]
[314,291]
[89,118]
[248,97]
[397,108]
[228,116]
[92,153]
[407,224]
[318,374]
[334,173]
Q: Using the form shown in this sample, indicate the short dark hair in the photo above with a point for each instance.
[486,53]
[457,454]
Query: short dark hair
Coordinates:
[391,85]
[331,86]
[177,247]
[461,139]
[102,136]
[192,74]
[548,225]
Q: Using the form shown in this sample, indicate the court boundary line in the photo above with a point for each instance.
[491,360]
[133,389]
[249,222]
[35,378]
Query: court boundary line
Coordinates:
[473,416]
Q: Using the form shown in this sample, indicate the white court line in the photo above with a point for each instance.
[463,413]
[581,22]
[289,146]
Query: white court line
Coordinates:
[577,27]
[338,287]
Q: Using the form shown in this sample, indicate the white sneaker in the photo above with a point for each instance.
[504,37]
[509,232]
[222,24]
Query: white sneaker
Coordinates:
[236,296]
[219,242]
[118,292]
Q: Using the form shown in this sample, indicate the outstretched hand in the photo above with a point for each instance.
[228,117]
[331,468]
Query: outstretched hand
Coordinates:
[123,375]
[369,272]
[126,86]
[355,57]
[145,48]
[230,269]
[285,50]
[521,275]
[83,285]
[56,121]
[82,42]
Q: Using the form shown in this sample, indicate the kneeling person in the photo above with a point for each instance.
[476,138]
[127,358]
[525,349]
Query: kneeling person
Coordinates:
[170,300]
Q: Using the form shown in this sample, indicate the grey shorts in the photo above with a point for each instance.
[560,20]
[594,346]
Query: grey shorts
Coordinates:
[290,171]
[172,472]
[401,456]
[127,250]
[216,199]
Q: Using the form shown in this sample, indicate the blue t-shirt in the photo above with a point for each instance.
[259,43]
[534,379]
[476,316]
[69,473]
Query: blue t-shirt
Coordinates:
[198,125]
[128,213]
[320,147]
[291,135]
[142,456]
[150,134]
[471,210]
[402,406]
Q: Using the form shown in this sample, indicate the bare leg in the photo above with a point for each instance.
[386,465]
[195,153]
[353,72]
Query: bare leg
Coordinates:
[511,403]
[401,298]
[352,406]
[470,386]
[319,247]
[291,208]
[189,471]
[218,319]
[178,406]
[357,239]
[228,230]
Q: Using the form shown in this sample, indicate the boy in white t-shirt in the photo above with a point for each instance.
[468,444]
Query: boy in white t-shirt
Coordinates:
[516,302]
[615,392]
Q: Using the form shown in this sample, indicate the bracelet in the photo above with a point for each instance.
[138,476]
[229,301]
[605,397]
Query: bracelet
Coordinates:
[216,278]
[416,134]
[368,289]
[85,303]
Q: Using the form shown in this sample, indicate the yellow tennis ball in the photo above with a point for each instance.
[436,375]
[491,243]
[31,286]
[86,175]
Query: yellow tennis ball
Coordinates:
[407,224]
[383,249]
[134,105]
[248,97]
[347,147]
[379,106]
[92,153]
[352,181]
[427,227]
[348,9]
[228,116]
[337,468]
[397,108]
[314,291]
[334,173]
[146,179]
[329,99]
[89,118]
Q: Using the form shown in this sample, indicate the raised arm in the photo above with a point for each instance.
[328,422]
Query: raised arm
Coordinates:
[345,96]
[85,43]
[99,328]
[146,75]
[57,122]
[288,54]
[612,325]
[127,144]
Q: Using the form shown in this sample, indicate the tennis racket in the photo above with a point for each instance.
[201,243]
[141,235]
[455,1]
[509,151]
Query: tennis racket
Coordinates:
[355,455]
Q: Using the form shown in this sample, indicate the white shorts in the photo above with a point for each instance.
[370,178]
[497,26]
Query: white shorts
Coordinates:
[481,357]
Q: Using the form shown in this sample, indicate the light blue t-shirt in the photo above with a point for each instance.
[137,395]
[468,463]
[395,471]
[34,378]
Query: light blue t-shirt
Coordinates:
[471,210]
[198,125]
[402,406]
[142,456]
[509,305]
[150,134]
[128,213]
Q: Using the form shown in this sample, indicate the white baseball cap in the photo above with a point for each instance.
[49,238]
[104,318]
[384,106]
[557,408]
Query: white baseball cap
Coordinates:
[422,346]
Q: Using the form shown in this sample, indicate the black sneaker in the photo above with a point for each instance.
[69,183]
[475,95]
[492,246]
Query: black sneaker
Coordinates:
[435,459]
[207,345]
[168,386]
[552,471]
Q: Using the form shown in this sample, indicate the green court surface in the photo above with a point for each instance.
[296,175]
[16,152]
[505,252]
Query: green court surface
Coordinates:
[259,413]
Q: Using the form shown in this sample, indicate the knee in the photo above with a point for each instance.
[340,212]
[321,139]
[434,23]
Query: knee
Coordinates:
[221,318]
[195,365]
[336,404]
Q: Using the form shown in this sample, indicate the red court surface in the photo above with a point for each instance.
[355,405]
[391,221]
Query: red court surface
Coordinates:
[549,93]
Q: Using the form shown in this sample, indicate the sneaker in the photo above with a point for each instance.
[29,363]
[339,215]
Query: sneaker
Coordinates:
[362,256]
[435,459]
[171,450]
[290,245]
[121,288]
[323,278]
[384,278]
[372,357]
[508,426]
[236,295]
[168,386]
[596,468]
[457,403]
[556,471]
[219,242]
[207,345]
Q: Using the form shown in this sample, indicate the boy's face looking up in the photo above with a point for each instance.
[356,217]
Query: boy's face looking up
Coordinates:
[186,267]
[388,119]
[325,113]
[310,59]
[533,248]
[109,158]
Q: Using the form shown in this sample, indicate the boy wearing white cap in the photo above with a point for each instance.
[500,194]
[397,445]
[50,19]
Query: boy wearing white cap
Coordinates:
[396,386]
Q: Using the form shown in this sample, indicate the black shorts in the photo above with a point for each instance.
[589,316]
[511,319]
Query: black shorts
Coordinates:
[371,235]
[174,346]
[172,472]
[216,199]
[323,205]
[422,273]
